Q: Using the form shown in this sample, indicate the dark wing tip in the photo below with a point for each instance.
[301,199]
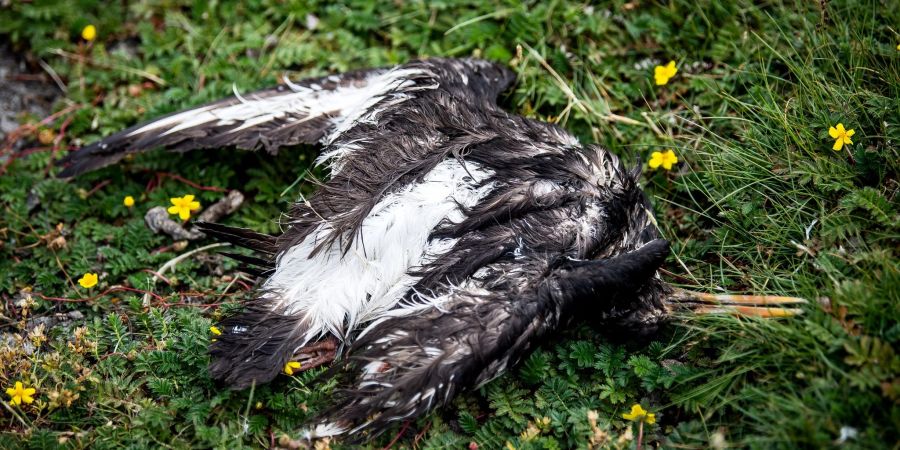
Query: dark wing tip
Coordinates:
[102,153]
[82,160]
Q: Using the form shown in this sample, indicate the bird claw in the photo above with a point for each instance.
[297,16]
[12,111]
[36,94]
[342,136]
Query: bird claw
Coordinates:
[316,354]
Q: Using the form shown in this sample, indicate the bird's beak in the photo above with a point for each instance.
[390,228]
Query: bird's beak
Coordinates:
[768,306]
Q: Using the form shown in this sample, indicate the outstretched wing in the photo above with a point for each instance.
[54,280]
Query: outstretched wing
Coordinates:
[309,111]
[287,114]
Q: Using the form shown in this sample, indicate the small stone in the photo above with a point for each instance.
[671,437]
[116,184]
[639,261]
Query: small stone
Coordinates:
[312,22]
[847,433]
[32,201]
[57,243]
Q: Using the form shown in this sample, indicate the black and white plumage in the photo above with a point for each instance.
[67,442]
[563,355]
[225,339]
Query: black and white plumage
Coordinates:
[450,237]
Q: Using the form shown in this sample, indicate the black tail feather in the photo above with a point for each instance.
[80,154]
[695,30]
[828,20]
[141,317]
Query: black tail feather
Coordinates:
[251,260]
[254,346]
[257,267]
[241,237]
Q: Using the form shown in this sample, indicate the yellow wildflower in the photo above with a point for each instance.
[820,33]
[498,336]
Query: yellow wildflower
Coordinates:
[215,330]
[291,366]
[20,394]
[88,280]
[128,201]
[183,206]
[665,159]
[840,136]
[662,74]
[638,414]
[46,136]
[89,33]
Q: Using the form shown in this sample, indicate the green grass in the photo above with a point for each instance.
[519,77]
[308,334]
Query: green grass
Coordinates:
[759,204]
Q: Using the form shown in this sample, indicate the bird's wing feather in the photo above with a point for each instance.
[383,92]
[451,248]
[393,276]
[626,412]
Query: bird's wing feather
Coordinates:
[308,111]
[287,114]
[410,364]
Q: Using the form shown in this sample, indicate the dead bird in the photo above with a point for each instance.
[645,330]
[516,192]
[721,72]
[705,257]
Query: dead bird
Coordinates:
[450,237]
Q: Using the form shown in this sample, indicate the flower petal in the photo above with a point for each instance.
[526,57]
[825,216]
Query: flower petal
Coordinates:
[670,156]
[173,209]
[660,76]
[637,410]
[290,366]
[838,144]
[89,33]
[184,213]
[833,132]
[850,133]
[88,280]
[193,206]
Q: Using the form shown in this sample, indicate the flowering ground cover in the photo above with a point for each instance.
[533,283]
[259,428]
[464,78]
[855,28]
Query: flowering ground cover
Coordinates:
[768,137]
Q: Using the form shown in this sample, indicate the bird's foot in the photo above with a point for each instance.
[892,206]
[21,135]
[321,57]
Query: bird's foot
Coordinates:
[767,306]
[316,354]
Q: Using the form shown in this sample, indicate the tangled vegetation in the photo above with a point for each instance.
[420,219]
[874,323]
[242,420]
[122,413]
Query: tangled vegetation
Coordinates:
[757,202]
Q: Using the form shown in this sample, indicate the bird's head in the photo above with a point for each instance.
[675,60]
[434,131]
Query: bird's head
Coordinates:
[618,283]
[626,293]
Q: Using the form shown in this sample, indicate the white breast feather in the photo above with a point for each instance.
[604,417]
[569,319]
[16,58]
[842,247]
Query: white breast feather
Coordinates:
[335,293]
